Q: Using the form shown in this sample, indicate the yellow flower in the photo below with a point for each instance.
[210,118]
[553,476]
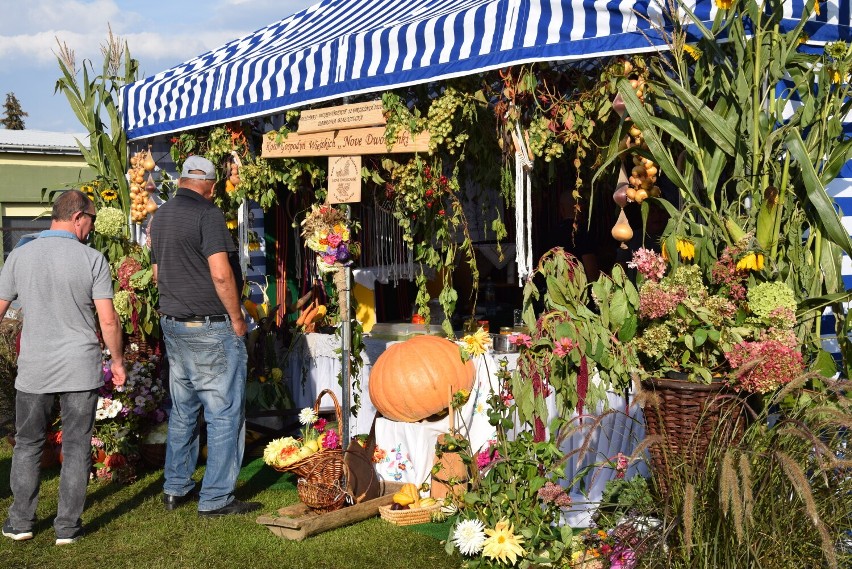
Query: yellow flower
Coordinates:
[816,7]
[724,4]
[477,343]
[804,38]
[692,51]
[502,544]
[835,77]
[686,249]
[254,246]
[88,190]
[231,224]
[109,194]
[751,262]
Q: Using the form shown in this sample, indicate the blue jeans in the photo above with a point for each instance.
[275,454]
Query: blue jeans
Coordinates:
[32,416]
[208,364]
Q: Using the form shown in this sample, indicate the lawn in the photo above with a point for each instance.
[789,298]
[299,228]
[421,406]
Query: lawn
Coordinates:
[128,527]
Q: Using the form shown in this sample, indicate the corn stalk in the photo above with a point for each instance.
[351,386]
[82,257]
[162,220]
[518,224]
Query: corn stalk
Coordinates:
[748,127]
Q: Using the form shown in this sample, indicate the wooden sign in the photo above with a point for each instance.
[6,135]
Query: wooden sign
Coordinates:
[341,117]
[342,143]
[344,179]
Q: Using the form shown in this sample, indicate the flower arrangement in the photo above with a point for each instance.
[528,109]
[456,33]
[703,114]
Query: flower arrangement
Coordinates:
[316,437]
[127,412]
[724,325]
[326,230]
[136,294]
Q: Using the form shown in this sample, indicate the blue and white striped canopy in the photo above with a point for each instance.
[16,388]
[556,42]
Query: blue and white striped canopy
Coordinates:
[345,47]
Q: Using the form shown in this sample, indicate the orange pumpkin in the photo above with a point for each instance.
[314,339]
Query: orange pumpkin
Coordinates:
[410,380]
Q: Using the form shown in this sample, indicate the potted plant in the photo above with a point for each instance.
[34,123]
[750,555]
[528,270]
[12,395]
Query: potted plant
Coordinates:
[704,336]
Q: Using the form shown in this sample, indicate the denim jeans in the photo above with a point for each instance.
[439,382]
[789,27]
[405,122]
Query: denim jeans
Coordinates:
[33,410]
[207,369]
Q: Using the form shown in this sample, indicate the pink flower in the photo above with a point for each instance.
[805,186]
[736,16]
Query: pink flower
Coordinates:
[486,458]
[331,440]
[320,425]
[649,263]
[563,347]
[521,340]
[334,239]
[329,259]
[764,366]
[621,464]
[622,558]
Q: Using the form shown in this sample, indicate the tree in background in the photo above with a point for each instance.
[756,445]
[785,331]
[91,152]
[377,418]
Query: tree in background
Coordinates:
[14,114]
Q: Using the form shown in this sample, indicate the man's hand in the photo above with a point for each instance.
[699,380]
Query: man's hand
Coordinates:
[240,326]
[119,375]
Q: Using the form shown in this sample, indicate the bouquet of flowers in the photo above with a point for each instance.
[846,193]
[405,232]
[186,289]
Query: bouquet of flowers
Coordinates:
[125,413]
[328,232]
[286,453]
[726,325]
[136,294]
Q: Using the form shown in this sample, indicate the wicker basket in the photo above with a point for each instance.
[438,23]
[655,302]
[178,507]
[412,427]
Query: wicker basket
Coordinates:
[688,417]
[322,497]
[325,465]
[408,517]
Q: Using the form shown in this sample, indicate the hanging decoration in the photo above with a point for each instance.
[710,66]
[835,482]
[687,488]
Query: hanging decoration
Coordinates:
[523,205]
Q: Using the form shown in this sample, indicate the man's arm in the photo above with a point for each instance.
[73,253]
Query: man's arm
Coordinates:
[111,330]
[226,289]
[4,306]
[154,271]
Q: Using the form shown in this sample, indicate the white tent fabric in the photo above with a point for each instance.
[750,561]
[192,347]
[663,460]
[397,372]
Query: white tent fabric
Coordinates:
[338,48]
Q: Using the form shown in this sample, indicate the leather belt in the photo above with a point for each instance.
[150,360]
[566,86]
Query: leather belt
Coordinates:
[211,318]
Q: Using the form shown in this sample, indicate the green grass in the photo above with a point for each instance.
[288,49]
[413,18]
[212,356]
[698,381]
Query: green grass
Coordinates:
[128,527]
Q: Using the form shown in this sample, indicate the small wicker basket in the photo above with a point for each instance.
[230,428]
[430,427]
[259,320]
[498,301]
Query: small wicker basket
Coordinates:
[408,517]
[325,465]
[321,497]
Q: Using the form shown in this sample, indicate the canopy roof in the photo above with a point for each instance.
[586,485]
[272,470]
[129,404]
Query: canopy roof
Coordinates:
[345,47]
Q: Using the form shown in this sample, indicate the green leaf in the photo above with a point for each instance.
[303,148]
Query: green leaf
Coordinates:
[824,364]
[700,337]
[825,213]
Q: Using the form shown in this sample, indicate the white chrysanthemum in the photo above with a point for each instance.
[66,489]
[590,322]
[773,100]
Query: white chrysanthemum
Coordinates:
[100,415]
[307,416]
[469,536]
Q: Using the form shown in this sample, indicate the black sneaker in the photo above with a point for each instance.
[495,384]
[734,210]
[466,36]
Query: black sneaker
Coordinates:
[235,507]
[15,534]
[71,538]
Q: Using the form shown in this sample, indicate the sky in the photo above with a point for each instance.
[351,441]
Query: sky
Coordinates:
[159,33]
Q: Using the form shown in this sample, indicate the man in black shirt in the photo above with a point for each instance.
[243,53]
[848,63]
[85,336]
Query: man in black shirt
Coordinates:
[204,332]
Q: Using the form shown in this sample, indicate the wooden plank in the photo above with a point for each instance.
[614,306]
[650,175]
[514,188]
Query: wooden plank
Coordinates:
[355,115]
[341,143]
[297,522]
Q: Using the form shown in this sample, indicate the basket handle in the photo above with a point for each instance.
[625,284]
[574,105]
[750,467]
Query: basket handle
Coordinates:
[337,410]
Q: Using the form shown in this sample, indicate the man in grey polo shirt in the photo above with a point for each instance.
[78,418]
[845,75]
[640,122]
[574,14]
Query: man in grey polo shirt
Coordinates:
[204,332]
[58,281]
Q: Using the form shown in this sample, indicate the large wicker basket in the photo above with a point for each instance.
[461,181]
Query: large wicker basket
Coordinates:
[688,417]
[325,466]
[408,517]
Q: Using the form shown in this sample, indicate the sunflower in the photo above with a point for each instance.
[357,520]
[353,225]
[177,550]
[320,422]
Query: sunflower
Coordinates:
[231,224]
[692,51]
[109,194]
[724,4]
[88,190]
[502,544]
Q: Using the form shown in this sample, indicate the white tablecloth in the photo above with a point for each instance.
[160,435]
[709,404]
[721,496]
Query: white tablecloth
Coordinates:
[408,448]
